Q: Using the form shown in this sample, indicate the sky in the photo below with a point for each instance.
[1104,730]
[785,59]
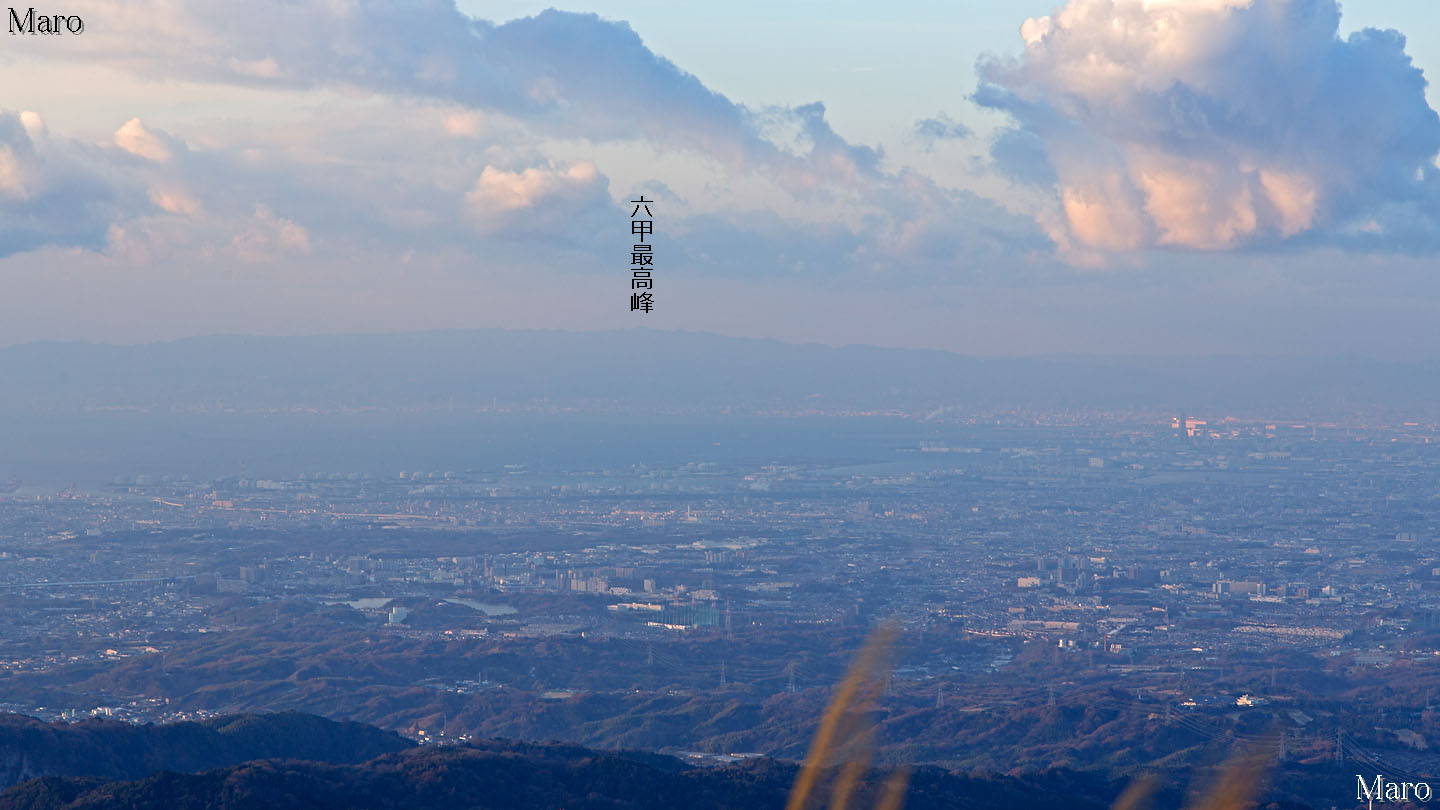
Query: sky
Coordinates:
[994,178]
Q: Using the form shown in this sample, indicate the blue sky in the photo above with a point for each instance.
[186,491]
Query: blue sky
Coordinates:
[874,64]
[1191,176]
[901,58]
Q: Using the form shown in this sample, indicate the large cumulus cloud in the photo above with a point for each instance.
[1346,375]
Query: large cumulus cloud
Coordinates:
[1218,124]
[564,74]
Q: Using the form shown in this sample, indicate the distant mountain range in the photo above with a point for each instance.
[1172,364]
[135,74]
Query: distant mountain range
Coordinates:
[641,369]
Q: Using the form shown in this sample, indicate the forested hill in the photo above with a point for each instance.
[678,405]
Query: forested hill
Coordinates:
[107,749]
[293,760]
[518,776]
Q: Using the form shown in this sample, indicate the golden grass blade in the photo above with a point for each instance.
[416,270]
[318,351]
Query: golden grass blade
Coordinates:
[1237,784]
[849,778]
[867,664]
[1136,795]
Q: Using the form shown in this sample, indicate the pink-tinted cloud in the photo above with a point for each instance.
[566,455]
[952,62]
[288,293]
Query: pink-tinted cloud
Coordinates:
[1216,125]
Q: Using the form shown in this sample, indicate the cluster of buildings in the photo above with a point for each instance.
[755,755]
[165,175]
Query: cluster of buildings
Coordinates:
[1141,544]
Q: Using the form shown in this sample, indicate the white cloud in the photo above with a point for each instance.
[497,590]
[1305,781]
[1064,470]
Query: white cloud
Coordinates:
[499,191]
[174,200]
[136,139]
[34,125]
[572,201]
[465,124]
[1217,124]
[269,235]
[14,176]
[565,74]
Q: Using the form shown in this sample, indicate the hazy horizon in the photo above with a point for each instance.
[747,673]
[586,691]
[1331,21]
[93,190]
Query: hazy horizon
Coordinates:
[641,329]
